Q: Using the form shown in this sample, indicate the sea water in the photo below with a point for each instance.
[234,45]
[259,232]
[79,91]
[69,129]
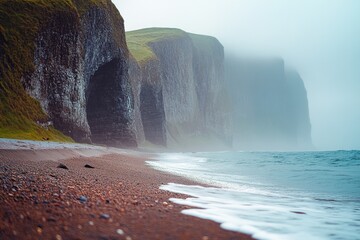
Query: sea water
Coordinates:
[272,195]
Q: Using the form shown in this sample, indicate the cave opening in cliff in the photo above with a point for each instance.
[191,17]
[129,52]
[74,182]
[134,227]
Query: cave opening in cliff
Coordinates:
[100,104]
[109,105]
[152,114]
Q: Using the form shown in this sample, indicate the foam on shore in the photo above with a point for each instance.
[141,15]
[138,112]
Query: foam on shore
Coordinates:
[271,196]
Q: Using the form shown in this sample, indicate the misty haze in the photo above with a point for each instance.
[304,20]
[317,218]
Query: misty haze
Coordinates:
[204,119]
[320,39]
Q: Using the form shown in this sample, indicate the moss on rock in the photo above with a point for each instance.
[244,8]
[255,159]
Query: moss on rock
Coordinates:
[138,41]
[20,23]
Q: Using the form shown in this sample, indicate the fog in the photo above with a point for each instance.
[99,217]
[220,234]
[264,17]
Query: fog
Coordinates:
[321,39]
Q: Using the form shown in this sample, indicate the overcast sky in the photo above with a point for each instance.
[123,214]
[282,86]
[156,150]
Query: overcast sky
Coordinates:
[320,38]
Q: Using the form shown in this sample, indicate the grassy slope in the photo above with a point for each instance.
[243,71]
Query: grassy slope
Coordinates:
[20,21]
[138,41]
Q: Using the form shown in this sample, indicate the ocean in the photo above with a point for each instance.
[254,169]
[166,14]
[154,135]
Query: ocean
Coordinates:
[271,195]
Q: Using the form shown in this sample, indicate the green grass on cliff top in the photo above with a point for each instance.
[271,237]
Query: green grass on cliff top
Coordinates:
[138,41]
[20,22]
[204,43]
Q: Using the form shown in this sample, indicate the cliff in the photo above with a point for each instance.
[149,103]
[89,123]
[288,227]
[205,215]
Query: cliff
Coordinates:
[179,93]
[299,110]
[65,65]
[71,57]
[270,106]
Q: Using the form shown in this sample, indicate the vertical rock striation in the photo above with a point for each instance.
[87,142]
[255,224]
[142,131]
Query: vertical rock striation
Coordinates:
[178,87]
[180,97]
[80,73]
[150,108]
[212,95]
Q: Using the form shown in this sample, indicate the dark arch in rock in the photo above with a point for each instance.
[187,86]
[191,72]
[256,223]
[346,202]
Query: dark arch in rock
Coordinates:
[108,106]
[152,114]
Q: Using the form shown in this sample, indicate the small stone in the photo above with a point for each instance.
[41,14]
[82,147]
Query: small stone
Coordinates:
[296,212]
[58,237]
[128,238]
[165,203]
[39,230]
[120,231]
[82,199]
[91,223]
[62,166]
[51,219]
[104,216]
[88,166]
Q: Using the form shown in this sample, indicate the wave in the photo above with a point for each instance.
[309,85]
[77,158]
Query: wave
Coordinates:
[271,195]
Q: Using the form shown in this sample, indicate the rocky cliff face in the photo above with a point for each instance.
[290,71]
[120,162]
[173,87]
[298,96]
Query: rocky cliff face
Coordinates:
[67,63]
[212,95]
[270,108]
[80,71]
[180,94]
[149,106]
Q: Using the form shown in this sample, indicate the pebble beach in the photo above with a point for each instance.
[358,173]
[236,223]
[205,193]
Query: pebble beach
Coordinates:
[64,193]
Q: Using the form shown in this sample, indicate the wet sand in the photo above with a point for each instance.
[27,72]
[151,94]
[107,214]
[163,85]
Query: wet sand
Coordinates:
[117,199]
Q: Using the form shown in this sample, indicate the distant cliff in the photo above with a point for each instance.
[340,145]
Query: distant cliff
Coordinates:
[178,84]
[270,106]
[70,56]
[299,110]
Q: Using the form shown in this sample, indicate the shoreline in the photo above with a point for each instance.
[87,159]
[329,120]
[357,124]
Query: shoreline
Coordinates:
[117,199]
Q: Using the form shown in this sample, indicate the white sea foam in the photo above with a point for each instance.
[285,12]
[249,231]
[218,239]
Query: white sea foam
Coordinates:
[271,198]
[264,218]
